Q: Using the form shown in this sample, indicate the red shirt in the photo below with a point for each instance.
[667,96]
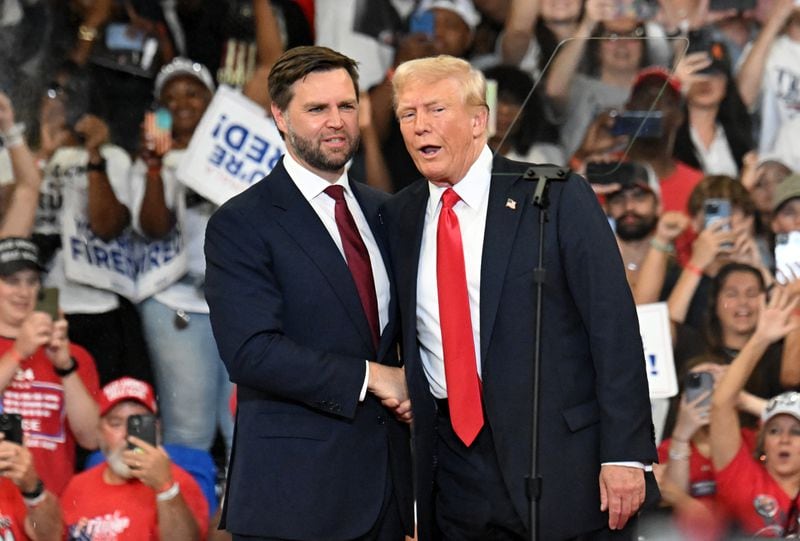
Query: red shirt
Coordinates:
[12,512]
[94,509]
[37,393]
[676,188]
[752,496]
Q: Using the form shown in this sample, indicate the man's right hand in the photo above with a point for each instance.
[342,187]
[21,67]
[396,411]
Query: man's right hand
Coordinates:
[36,331]
[389,384]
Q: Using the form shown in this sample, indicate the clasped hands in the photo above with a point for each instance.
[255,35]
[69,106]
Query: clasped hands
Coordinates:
[388,383]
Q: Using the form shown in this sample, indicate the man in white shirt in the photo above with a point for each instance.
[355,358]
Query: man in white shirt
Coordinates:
[464,243]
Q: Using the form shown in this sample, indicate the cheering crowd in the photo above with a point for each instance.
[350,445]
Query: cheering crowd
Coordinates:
[681,115]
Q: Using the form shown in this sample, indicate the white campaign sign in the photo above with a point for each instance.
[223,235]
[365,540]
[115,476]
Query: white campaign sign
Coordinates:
[235,145]
[657,342]
[130,265]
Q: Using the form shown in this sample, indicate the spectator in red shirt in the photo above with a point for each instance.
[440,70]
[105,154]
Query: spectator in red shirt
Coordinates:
[760,491]
[45,378]
[137,493]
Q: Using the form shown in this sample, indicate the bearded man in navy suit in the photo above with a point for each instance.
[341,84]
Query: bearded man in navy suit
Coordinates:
[464,246]
[303,315]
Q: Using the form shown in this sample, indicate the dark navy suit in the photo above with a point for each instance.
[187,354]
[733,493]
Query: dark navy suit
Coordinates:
[594,401]
[309,460]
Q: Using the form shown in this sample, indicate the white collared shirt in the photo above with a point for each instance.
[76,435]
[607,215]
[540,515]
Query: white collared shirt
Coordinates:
[473,190]
[312,187]
[718,158]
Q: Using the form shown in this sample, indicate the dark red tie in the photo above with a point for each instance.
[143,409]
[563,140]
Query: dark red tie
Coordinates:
[357,256]
[460,366]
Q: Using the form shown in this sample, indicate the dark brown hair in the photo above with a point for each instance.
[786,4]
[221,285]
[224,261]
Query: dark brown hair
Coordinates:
[723,187]
[298,62]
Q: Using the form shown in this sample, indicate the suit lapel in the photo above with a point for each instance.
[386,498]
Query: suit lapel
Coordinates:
[301,222]
[502,222]
[369,205]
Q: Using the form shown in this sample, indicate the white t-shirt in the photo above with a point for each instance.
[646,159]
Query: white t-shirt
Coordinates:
[67,167]
[187,293]
[780,93]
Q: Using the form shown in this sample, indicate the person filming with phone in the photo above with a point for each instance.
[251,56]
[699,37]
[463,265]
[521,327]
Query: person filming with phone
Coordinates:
[43,376]
[137,492]
[27,509]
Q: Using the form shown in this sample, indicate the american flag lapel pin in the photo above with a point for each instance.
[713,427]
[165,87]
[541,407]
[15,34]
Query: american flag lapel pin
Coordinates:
[510,203]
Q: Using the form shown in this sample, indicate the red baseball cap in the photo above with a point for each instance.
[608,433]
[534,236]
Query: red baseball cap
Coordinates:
[123,389]
[659,73]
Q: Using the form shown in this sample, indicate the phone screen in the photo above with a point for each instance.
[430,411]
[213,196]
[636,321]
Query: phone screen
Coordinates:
[158,130]
[787,256]
[422,23]
[48,302]
[638,123]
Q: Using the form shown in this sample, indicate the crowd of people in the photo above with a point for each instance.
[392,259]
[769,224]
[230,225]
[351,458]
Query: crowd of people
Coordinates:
[682,117]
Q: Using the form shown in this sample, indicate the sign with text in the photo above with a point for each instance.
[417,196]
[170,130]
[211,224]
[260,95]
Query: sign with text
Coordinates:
[129,264]
[235,145]
[657,341]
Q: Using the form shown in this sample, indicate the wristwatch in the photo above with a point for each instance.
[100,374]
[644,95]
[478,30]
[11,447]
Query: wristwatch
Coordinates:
[64,372]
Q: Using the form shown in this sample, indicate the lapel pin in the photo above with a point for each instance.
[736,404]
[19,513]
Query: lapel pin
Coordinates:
[510,203]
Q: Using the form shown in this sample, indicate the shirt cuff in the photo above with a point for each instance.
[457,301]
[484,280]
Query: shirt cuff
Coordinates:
[363,393]
[632,464]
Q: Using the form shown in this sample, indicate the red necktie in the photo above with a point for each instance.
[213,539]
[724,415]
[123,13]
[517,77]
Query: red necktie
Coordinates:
[460,366]
[357,256]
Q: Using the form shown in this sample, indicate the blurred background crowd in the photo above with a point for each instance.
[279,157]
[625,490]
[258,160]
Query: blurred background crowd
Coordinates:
[683,114]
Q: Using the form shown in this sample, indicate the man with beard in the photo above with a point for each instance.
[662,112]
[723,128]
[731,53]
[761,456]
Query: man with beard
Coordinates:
[298,286]
[137,493]
[643,233]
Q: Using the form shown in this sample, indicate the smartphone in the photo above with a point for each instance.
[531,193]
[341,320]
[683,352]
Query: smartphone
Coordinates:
[638,123]
[697,383]
[143,427]
[787,256]
[124,37]
[624,173]
[48,302]
[716,209]
[422,23]
[638,9]
[158,130]
[11,427]
[724,5]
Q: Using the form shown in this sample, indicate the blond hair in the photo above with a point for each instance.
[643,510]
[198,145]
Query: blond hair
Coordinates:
[436,68]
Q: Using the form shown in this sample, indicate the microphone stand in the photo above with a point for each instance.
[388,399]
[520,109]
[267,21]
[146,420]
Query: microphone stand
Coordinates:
[542,175]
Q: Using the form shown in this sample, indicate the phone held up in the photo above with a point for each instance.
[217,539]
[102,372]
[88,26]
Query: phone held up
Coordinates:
[647,124]
[11,427]
[48,302]
[143,427]
[422,23]
[158,130]
[696,384]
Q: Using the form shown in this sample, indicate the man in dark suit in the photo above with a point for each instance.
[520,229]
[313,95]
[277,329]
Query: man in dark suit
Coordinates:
[303,316]
[464,248]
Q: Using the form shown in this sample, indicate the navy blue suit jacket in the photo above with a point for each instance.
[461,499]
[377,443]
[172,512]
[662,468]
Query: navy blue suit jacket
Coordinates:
[309,460]
[594,395]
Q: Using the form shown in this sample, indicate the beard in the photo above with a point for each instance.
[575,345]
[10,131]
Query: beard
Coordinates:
[311,152]
[114,460]
[639,229]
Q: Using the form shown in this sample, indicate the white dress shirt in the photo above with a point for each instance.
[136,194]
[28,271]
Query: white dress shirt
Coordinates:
[313,189]
[473,190]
